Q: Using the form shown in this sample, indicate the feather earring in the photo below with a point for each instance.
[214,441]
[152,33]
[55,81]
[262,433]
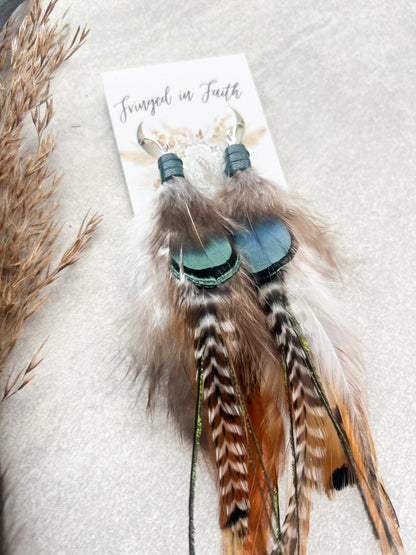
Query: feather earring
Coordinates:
[198,329]
[312,399]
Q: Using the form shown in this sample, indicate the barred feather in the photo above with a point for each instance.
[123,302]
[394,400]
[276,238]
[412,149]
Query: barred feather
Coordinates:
[225,421]
[307,415]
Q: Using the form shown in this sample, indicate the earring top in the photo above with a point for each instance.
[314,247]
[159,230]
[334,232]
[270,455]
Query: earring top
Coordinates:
[170,165]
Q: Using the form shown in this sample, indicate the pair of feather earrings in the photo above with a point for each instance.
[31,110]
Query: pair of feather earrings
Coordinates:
[237,323]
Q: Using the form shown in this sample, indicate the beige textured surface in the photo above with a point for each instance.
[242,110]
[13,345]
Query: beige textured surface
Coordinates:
[88,473]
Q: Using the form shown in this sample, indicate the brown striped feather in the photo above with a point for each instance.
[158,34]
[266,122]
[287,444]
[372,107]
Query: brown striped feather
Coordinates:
[307,415]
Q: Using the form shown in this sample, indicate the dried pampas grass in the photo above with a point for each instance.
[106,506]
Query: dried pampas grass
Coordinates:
[29,56]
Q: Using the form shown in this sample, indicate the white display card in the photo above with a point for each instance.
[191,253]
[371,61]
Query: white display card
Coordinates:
[187,106]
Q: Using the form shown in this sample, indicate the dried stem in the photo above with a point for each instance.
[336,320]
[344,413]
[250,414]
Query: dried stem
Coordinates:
[29,56]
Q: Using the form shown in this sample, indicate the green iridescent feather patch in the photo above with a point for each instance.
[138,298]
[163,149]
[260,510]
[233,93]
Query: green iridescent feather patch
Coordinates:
[207,266]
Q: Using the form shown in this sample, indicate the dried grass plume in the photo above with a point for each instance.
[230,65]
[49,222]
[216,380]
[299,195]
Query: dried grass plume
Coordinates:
[29,56]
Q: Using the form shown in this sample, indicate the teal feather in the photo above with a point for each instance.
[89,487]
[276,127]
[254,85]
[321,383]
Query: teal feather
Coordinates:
[208,266]
[266,246]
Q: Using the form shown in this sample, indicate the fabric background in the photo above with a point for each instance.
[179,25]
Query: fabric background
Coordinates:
[87,472]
